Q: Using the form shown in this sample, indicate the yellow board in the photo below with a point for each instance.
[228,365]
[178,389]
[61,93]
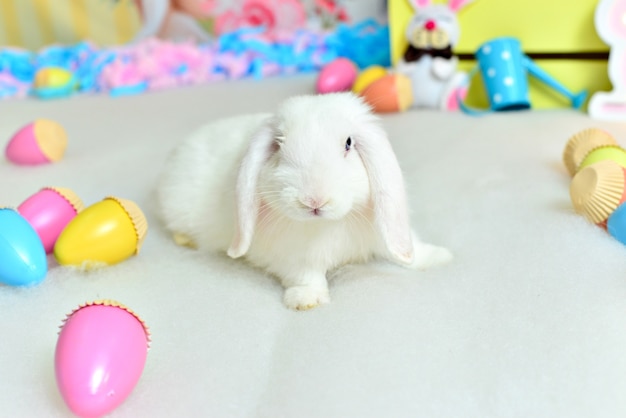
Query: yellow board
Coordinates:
[543,26]
[34,24]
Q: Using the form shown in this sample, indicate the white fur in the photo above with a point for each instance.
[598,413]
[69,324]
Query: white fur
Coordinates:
[282,191]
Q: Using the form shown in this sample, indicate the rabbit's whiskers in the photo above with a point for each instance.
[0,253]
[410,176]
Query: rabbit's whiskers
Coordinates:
[357,217]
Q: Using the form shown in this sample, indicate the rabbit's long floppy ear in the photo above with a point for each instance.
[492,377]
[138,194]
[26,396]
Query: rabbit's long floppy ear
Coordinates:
[388,192]
[456,5]
[258,152]
[419,4]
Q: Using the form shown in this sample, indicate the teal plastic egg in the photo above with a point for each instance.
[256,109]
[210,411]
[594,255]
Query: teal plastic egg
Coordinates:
[616,224]
[22,256]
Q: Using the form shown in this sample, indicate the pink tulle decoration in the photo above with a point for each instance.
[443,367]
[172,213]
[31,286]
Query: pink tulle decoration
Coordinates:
[236,65]
[17,88]
[154,64]
[160,65]
[270,69]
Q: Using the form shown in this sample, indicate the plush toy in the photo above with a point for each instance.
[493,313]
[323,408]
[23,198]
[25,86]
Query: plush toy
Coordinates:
[428,65]
[428,60]
[610,26]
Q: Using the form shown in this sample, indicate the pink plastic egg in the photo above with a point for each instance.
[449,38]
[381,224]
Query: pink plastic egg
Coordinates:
[337,76]
[100,355]
[48,211]
[40,142]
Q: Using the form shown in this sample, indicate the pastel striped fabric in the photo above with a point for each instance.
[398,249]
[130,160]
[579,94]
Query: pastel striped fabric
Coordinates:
[33,24]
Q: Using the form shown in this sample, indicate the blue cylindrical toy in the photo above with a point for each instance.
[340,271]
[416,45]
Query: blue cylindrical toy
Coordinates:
[504,74]
[504,69]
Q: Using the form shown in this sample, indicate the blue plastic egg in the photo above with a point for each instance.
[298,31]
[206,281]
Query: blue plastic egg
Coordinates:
[616,224]
[22,256]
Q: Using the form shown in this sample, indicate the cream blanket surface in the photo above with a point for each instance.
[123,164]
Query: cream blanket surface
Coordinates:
[528,320]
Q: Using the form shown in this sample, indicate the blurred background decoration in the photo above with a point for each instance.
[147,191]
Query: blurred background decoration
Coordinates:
[34,24]
[130,46]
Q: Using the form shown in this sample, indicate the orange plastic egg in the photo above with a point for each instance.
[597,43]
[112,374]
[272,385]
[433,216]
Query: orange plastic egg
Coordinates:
[367,77]
[391,93]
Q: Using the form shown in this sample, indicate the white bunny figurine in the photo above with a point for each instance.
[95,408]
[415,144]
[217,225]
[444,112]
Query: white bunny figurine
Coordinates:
[610,25]
[298,193]
[428,60]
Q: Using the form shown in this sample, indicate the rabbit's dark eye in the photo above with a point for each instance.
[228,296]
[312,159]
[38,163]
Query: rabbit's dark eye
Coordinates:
[348,144]
[277,143]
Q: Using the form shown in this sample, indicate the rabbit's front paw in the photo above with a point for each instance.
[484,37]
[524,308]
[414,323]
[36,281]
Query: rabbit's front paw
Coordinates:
[305,297]
[184,240]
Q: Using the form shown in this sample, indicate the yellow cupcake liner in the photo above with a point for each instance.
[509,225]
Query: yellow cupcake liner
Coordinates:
[405,92]
[581,144]
[597,190]
[136,216]
[115,304]
[53,147]
[71,197]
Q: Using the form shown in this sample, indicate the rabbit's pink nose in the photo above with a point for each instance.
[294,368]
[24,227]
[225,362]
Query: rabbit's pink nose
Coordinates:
[314,205]
[430,25]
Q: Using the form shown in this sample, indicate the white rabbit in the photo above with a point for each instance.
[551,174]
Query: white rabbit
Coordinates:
[609,23]
[298,193]
[428,60]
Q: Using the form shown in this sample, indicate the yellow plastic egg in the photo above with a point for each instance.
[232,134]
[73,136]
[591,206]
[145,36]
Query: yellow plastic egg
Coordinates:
[52,77]
[367,77]
[105,233]
[53,83]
